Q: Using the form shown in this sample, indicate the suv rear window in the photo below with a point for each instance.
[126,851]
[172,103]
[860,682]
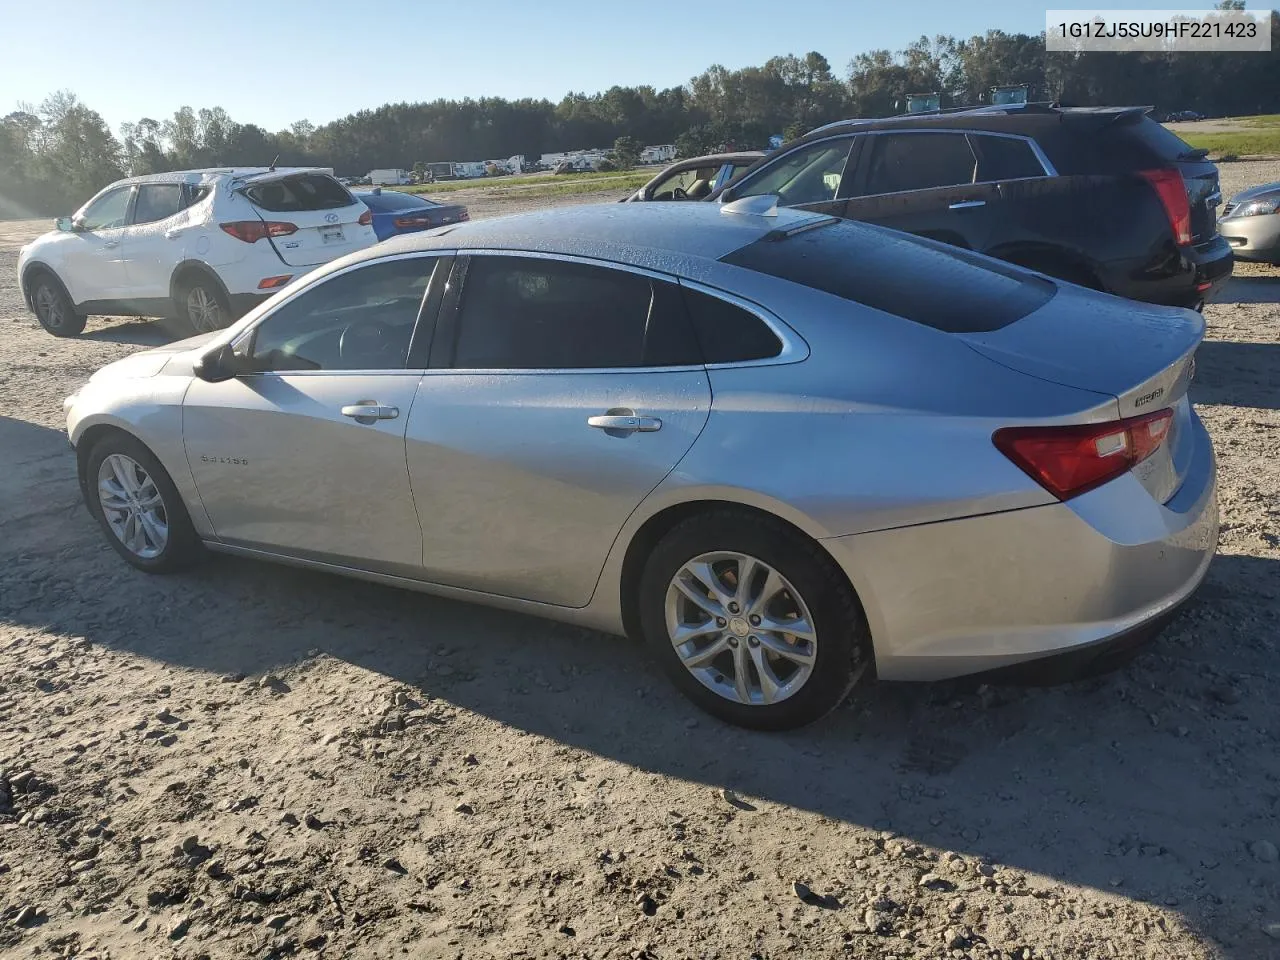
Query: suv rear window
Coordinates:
[304,191]
[920,280]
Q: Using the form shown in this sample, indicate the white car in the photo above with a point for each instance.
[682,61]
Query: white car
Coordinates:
[199,246]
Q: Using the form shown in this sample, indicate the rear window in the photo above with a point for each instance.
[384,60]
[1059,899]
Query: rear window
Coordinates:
[1160,141]
[306,191]
[386,202]
[942,287]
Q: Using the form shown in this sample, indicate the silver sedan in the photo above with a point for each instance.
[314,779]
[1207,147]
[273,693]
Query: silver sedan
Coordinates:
[786,450]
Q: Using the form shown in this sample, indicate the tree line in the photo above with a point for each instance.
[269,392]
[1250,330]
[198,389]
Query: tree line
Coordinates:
[54,155]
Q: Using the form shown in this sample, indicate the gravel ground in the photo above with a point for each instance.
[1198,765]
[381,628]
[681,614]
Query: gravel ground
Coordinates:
[250,761]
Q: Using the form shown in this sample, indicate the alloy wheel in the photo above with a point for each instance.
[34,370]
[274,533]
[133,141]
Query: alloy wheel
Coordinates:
[741,628]
[203,309]
[133,506]
[49,307]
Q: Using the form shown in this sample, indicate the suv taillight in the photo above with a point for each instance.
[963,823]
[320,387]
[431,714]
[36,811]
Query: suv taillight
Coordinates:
[1071,460]
[366,218]
[251,231]
[1172,192]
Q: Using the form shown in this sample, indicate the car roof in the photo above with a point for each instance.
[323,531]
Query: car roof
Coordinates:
[731,157]
[989,117]
[210,174]
[642,234]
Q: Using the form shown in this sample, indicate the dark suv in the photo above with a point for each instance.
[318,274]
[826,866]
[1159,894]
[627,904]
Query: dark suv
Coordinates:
[1103,197]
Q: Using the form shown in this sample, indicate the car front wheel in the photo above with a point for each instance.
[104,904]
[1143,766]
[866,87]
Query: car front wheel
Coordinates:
[54,309]
[138,507]
[753,621]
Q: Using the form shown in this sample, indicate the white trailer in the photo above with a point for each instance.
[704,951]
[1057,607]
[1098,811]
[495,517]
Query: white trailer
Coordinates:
[466,169]
[658,153]
[392,177]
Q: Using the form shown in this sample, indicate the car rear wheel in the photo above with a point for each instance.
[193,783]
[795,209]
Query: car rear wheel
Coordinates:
[138,507]
[54,309]
[202,305]
[752,621]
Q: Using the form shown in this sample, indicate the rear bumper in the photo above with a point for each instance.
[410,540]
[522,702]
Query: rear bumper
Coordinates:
[969,596]
[1181,277]
[1253,238]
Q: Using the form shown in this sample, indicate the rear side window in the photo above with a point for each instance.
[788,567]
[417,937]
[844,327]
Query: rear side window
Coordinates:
[919,161]
[726,332]
[157,201]
[1004,158]
[941,287]
[306,191]
[527,313]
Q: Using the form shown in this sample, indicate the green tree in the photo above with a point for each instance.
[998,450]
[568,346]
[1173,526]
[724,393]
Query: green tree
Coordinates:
[626,152]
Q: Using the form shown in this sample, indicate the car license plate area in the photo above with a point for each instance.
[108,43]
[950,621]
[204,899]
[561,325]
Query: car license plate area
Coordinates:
[331,235]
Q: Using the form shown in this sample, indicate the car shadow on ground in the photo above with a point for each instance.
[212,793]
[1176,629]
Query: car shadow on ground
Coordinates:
[143,333]
[1039,779]
[1239,373]
[1251,289]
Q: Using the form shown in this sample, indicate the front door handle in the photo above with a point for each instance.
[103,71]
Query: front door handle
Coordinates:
[624,423]
[967,204]
[367,411]
[111,243]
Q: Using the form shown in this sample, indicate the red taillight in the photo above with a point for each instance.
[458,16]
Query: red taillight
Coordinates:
[251,231]
[366,218]
[1172,192]
[411,223]
[1068,461]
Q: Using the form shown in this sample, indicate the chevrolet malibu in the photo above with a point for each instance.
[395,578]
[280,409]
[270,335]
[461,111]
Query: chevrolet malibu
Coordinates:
[787,450]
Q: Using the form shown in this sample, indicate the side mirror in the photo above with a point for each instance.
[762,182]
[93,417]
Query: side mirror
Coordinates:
[64,224]
[221,364]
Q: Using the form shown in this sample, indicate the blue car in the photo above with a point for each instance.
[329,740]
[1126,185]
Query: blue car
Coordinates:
[395,213]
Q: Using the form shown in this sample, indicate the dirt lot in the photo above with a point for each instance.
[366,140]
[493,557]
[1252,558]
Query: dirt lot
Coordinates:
[249,761]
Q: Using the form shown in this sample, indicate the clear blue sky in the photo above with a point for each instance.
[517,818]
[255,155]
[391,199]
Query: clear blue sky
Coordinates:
[274,62]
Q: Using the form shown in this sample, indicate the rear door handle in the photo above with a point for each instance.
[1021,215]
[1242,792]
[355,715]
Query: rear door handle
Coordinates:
[367,412]
[111,243]
[625,423]
[172,234]
[967,204]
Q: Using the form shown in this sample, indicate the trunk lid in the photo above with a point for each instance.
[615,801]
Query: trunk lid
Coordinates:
[324,213]
[1142,355]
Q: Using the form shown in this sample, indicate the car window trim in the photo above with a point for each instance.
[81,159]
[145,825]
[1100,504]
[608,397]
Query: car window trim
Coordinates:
[250,332]
[1049,169]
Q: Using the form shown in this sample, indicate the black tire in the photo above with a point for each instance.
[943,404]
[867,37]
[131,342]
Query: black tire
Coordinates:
[194,288]
[54,309]
[843,651]
[182,548]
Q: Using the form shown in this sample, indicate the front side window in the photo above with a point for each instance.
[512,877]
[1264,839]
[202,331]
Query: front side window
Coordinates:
[810,174]
[107,212]
[359,320]
[685,184]
[526,313]
[919,161]
[157,201]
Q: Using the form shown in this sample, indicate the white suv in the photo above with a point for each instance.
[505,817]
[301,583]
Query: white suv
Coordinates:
[198,246]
